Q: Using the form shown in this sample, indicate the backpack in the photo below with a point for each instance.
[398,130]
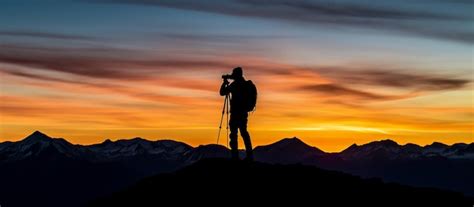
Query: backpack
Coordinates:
[250,91]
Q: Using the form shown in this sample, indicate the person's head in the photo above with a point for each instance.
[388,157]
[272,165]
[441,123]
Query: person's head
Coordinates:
[237,73]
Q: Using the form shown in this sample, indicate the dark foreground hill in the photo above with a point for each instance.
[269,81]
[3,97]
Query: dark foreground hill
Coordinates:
[222,181]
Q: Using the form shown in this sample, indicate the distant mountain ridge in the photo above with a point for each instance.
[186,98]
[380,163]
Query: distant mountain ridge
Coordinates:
[38,144]
[392,150]
[288,150]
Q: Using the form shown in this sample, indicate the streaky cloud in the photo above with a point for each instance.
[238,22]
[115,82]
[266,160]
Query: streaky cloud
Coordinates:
[104,62]
[49,35]
[221,37]
[394,78]
[88,67]
[339,90]
[429,22]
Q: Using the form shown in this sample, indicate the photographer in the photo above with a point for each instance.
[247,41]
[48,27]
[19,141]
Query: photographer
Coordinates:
[242,100]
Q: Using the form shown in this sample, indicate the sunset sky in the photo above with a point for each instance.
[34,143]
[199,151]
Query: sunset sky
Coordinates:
[332,73]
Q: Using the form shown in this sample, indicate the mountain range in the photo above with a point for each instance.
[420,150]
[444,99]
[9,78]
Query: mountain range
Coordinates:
[40,162]
[288,150]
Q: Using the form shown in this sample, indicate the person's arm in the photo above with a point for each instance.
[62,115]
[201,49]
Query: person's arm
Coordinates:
[225,88]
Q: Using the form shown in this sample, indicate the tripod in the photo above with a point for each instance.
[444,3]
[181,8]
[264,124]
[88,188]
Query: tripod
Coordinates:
[225,108]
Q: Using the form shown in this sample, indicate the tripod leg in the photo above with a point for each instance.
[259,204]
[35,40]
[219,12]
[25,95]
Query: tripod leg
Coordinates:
[222,118]
[228,104]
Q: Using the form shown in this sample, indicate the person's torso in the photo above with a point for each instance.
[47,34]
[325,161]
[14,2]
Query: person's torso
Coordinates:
[238,96]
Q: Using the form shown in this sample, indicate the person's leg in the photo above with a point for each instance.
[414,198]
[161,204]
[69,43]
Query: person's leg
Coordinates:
[234,146]
[246,137]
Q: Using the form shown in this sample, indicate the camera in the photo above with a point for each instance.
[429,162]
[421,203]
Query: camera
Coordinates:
[227,76]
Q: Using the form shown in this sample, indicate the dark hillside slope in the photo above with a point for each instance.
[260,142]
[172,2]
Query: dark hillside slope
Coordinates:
[220,181]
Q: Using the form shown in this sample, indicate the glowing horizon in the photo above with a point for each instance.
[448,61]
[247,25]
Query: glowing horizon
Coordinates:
[152,69]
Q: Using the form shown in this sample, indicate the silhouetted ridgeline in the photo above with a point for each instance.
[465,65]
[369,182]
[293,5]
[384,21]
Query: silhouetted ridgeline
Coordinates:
[223,181]
[53,172]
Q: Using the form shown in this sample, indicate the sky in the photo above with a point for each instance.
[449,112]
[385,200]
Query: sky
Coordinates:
[332,73]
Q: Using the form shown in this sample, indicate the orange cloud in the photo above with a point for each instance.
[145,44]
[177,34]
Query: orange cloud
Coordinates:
[100,94]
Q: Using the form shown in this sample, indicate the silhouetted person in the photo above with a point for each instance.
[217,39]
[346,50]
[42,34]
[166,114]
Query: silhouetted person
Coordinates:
[242,100]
